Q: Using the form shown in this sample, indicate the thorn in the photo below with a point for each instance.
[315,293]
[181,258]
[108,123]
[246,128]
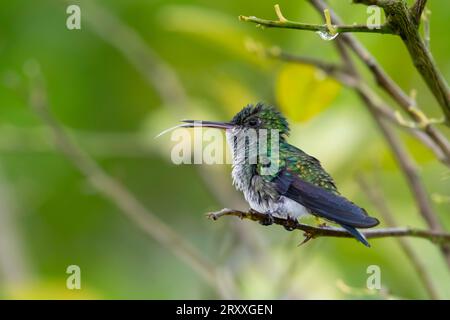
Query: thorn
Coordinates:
[280,16]
[308,236]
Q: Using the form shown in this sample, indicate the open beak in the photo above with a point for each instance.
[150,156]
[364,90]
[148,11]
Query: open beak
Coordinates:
[207,124]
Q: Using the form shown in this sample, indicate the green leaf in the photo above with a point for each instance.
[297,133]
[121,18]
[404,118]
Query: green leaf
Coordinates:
[303,91]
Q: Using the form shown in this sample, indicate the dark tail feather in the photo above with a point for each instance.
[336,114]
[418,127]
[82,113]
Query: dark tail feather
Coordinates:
[358,235]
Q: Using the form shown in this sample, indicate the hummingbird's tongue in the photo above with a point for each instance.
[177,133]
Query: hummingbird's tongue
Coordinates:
[172,128]
[197,124]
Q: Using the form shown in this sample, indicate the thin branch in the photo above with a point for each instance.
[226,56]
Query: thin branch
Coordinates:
[407,166]
[405,162]
[332,69]
[377,108]
[400,19]
[376,197]
[382,78]
[386,82]
[341,74]
[409,170]
[282,22]
[417,9]
[325,231]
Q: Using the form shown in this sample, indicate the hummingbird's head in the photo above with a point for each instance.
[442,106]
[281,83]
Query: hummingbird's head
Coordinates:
[256,117]
[261,116]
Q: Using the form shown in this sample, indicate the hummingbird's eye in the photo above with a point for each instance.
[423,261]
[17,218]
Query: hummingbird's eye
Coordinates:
[253,122]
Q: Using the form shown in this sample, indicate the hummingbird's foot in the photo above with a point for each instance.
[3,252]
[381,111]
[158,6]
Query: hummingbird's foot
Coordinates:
[268,219]
[291,224]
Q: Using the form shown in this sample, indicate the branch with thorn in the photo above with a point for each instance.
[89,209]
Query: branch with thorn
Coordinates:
[312,232]
[282,22]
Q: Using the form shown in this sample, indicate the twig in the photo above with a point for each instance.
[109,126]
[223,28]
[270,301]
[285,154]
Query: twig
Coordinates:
[331,29]
[380,75]
[342,74]
[376,197]
[417,9]
[386,82]
[406,163]
[399,18]
[407,166]
[315,232]
[282,22]
[418,191]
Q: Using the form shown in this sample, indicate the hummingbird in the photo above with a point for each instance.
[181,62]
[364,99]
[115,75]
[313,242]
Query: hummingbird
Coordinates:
[298,186]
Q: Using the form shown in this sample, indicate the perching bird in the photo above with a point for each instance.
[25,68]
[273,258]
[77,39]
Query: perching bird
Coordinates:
[298,186]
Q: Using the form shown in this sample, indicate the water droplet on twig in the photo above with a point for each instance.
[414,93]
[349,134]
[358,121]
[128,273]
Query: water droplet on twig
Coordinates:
[325,35]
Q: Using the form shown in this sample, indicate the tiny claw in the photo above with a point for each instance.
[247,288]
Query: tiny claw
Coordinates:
[211,215]
[267,221]
[291,224]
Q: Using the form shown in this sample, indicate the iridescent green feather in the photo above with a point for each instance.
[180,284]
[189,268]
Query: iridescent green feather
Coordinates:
[303,165]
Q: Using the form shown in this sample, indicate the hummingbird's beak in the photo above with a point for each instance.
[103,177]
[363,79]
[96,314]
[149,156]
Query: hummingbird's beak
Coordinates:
[207,124]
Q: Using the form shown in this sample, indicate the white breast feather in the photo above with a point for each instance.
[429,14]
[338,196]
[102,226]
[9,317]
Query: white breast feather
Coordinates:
[283,208]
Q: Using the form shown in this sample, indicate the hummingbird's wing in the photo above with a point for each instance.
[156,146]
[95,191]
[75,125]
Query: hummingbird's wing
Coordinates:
[322,202]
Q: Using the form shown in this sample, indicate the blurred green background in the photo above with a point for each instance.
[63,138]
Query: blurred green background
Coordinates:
[137,67]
